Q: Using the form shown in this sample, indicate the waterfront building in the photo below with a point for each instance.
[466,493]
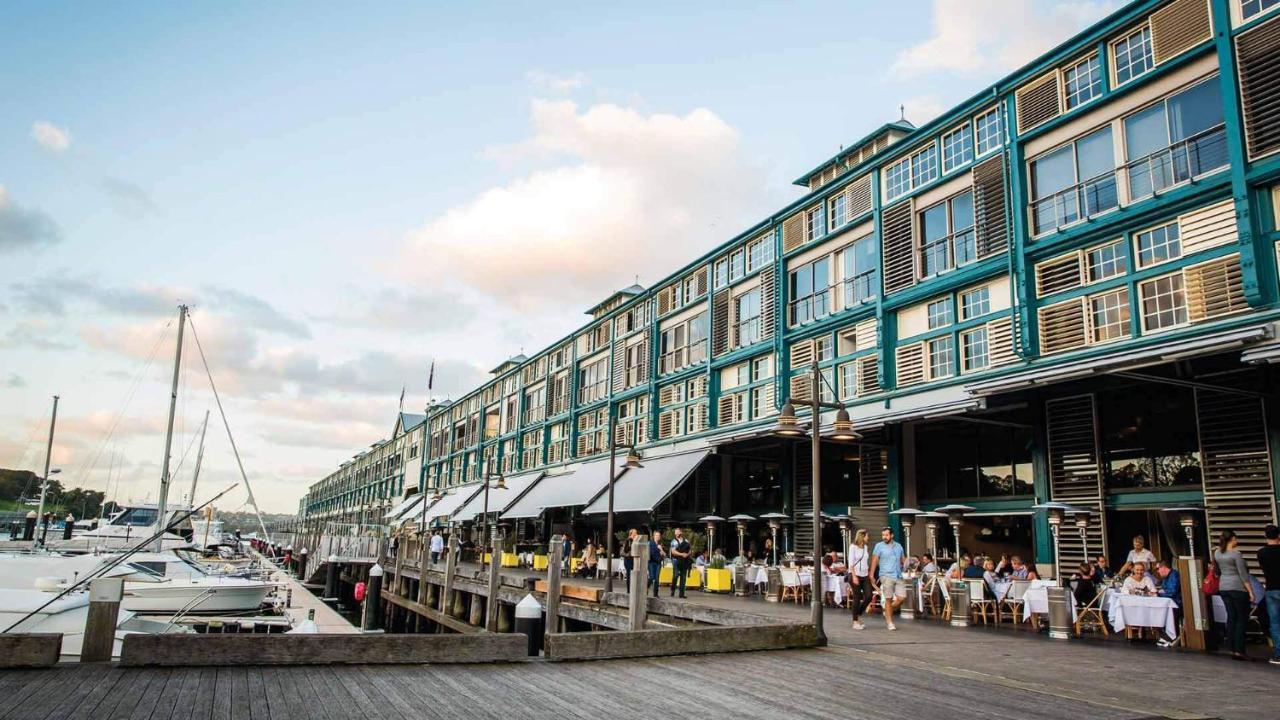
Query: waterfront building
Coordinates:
[365,487]
[1064,288]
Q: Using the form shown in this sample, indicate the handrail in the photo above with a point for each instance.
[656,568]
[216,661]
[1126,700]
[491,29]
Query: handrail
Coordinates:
[859,288]
[949,244]
[818,304]
[1083,200]
[1178,162]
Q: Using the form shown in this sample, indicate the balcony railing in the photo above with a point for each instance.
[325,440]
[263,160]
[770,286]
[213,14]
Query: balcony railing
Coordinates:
[859,288]
[948,252]
[1184,160]
[682,357]
[1079,202]
[808,309]
[747,332]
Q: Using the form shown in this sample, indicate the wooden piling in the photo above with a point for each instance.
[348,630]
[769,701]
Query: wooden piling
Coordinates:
[105,595]
[552,624]
[639,584]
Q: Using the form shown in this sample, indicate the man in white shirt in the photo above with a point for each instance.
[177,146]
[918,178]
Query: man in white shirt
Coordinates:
[1139,583]
[437,547]
[1139,554]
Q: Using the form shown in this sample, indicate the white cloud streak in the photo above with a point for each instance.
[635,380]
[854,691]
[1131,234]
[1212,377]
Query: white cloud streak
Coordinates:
[50,136]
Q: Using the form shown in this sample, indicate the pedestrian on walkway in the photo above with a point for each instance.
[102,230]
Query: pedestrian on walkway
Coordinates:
[859,557]
[437,546]
[655,560]
[628,562]
[681,551]
[1269,560]
[1236,589]
[887,561]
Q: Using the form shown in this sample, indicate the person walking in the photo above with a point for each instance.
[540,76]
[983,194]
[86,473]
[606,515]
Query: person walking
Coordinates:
[628,562]
[887,561]
[859,557]
[1269,560]
[437,546]
[1236,589]
[681,551]
[655,560]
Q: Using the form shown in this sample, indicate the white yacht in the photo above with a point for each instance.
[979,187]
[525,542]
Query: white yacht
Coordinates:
[134,523]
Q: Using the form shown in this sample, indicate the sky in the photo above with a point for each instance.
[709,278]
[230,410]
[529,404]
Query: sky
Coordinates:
[347,194]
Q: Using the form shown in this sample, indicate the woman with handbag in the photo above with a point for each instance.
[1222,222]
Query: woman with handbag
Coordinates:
[1235,587]
[859,581]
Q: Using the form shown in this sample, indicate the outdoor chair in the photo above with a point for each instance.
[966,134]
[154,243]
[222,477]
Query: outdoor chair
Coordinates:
[980,601]
[791,586]
[1013,600]
[1092,615]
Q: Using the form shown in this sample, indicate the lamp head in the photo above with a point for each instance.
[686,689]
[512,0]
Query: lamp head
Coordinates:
[633,460]
[787,425]
[501,483]
[843,430]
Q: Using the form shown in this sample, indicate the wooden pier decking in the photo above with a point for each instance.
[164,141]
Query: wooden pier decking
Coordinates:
[302,601]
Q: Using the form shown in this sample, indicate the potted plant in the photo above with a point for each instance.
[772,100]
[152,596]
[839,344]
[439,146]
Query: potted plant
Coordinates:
[719,579]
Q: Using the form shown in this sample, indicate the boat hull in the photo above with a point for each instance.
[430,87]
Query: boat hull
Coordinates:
[194,597]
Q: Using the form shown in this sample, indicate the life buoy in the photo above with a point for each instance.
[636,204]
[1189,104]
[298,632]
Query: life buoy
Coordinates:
[359,592]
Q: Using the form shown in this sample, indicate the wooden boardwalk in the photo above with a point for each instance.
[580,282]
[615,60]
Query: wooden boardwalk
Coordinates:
[831,683]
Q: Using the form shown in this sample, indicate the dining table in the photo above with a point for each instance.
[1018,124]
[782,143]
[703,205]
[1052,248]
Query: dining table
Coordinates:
[1125,611]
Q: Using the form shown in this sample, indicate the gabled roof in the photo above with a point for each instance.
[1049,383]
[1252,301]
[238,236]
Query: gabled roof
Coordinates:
[902,125]
[406,422]
[622,295]
[507,364]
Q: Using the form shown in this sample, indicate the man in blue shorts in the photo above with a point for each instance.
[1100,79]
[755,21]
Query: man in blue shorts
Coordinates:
[887,561]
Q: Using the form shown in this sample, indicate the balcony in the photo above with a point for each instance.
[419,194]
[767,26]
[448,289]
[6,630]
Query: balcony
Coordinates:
[682,357]
[859,288]
[808,309]
[948,252]
[1181,162]
[1081,201]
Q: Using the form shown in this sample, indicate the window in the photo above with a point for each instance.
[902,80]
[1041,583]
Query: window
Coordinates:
[1252,8]
[1106,261]
[535,405]
[823,348]
[721,273]
[975,303]
[973,345]
[684,344]
[1109,314]
[737,265]
[848,380]
[836,212]
[912,172]
[809,291]
[1158,244]
[947,235]
[593,381]
[957,148]
[859,272]
[1082,82]
[636,359]
[1164,304]
[1074,182]
[988,131]
[759,252]
[1132,55]
[1178,138]
[747,312]
[939,313]
[761,369]
[941,357]
[816,225]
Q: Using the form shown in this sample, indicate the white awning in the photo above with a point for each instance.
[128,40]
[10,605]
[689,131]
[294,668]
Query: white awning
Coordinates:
[1124,360]
[407,512]
[399,509]
[450,503]
[578,487]
[499,500]
[643,488]
[941,402]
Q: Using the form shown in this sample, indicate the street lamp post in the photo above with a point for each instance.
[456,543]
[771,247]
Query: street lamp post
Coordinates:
[955,518]
[789,426]
[1056,512]
[490,537]
[1081,520]
[632,462]
[741,519]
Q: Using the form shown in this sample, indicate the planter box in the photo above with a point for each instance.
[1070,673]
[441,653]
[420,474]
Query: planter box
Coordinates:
[540,562]
[719,580]
[510,560]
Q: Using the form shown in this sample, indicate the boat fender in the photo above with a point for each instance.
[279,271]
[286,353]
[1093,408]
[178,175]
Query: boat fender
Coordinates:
[359,592]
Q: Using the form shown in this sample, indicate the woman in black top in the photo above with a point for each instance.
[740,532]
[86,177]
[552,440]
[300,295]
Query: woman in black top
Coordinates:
[1085,589]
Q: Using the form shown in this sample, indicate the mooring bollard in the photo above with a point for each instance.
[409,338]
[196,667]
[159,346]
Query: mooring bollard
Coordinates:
[639,584]
[302,565]
[331,580]
[450,564]
[105,595]
[68,524]
[372,620]
[529,622]
[553,584]
[29,528]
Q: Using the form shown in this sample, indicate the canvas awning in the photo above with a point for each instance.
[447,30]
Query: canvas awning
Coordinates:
[399,509]
[450,503]
[408,511]
[643,488]
[941,402]
[499,500]
[570,489]
[1125,360]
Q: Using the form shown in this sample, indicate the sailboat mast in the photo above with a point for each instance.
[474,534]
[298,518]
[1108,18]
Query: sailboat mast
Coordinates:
[48,452]
[195,476]
[162,503]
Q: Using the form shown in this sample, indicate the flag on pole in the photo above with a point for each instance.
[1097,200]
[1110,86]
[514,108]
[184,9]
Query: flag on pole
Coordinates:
[402,398]
[431,376]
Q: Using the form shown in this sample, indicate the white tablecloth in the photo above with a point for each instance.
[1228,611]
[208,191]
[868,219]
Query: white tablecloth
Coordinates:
[1140,611]
[1036,600]
[1002,587]
[833,584]
[755,574]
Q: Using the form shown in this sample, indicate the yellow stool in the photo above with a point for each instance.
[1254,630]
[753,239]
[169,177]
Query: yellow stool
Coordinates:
[573,565]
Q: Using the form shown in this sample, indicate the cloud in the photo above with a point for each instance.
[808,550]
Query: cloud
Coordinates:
[15,381]
[130,199]
[50,136]
[923,108]
[394,308]
[973,38]
[23,228]
[545,82]
[34,334]
[619,193]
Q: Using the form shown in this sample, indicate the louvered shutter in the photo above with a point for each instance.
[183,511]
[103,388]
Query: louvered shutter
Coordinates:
[1258,61]
[667,395]
[768,298]
[910,365]
[582,444]
[793,232]
[1208,227]
[1178,27]
[700,281]
[873,475]
[868,375]
[801,354]
[898,252]
[720,325]
[643,376]
[1214,288]
[802,387]
[1075,474]
[857,197]
[1038,101]
[989,203]
[768,404]
[1000,349]
[1062,326]
[865,335]
[666,424]
[1058,274]
[664,301]
[619,379]
[1238,494]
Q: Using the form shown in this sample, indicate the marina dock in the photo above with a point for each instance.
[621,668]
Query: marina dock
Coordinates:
[302,601]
